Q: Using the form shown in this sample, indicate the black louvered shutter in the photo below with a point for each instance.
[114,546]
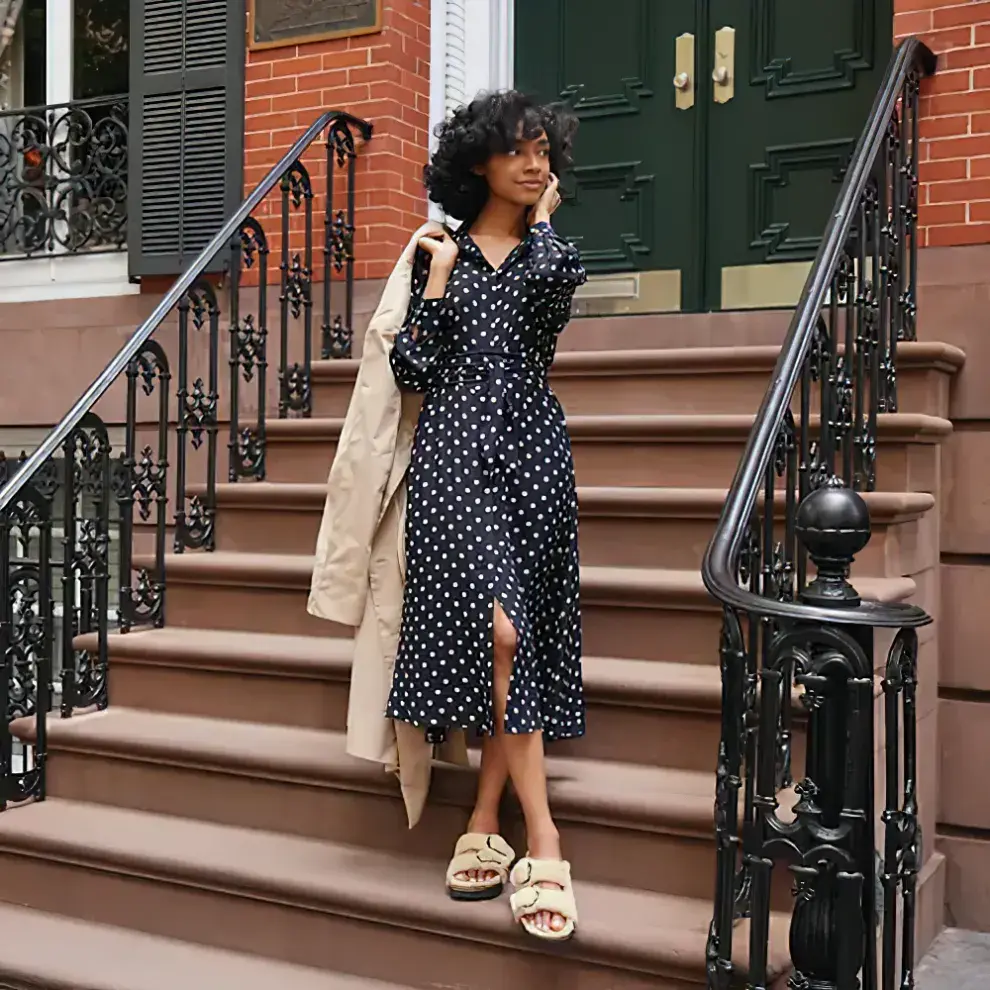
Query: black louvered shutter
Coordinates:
[186,128]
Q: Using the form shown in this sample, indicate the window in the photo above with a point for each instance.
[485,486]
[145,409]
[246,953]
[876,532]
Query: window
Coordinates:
[64,155]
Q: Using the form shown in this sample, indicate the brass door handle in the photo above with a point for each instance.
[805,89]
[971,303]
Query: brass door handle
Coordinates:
[684,69]
[724,70]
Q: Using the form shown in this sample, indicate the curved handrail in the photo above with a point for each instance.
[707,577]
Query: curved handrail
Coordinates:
[183,283]
[726,544]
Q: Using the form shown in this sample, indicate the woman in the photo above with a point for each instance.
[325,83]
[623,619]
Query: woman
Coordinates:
[491,635]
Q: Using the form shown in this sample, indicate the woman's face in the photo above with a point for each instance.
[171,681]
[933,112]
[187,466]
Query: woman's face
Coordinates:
[521,175]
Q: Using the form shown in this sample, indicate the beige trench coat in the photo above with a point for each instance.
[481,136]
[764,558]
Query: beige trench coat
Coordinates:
[359,573]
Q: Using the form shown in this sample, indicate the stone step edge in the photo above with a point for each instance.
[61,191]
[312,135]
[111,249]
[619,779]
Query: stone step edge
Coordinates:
[644,362]
[679,427]
[647,587]
[61,953]
[628,929]
[610,794]
[886,508]
[626,683]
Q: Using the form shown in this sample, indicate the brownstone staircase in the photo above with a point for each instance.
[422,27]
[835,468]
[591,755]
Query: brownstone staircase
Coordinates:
[208,830]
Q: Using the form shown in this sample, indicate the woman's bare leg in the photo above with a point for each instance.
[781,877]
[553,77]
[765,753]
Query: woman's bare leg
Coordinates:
[491,785]
[524,757]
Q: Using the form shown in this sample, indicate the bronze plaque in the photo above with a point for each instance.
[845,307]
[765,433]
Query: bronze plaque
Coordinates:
[294,22]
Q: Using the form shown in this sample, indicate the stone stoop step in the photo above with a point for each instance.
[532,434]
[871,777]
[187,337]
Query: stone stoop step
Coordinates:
[685,450]
[661,713]
[677,379]
[50,952]
[351,909]
[618,526]
[648,613]
[301,781]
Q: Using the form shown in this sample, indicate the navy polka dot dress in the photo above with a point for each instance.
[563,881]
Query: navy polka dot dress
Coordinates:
[492,509]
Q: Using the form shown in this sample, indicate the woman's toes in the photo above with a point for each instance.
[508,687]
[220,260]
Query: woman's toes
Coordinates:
[557,923]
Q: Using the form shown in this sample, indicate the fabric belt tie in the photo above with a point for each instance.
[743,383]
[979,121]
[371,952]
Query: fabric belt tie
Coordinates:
[501,434]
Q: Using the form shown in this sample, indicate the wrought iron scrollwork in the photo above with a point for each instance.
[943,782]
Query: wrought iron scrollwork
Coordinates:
[797,638]
[248,349]
[296,297]
[63,178]
[142,490]
[338,245]
[26,633]
[84,520]
[197,421]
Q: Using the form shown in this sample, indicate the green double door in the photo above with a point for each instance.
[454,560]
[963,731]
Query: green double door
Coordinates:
[714,135]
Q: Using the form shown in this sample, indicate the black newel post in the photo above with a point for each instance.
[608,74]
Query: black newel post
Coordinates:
[831,937]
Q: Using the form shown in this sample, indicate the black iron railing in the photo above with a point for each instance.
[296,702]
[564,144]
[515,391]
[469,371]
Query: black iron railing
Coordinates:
[793,630]
[63,178]
[73,512]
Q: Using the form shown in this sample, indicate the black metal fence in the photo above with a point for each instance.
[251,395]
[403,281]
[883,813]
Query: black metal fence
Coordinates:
[795,628]
[79,516]
[63,178]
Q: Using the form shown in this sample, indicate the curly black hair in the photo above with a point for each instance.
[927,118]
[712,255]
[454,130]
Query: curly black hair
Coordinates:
[488,125]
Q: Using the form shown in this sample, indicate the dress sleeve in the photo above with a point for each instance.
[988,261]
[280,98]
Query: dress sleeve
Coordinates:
[421,342]
[554,268]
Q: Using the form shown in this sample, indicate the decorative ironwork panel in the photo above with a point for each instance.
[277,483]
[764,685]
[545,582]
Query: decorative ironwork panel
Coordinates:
[84,529]
[337,336]
[196,427]
[63,178]
[797,639]
[142,487]
[87,496]
[248,351]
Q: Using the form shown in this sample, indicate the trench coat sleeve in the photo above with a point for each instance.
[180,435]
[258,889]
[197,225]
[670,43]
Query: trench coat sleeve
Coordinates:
[362,463]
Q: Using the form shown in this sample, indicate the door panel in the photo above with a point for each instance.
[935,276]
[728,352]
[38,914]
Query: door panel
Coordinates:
[806,77]
[635,181]
[727,196]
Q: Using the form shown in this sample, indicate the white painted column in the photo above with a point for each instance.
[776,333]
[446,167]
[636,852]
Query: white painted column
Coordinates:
[471,51]
[502,43]
[58,54]
[58,82]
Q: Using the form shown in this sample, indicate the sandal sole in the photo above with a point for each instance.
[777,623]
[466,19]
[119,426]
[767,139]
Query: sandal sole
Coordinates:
[485,894]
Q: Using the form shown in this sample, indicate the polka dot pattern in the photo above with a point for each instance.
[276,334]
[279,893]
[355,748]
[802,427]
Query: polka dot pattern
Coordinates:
[492,507]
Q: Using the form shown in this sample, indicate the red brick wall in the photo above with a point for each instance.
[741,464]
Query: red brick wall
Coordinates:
[955,125]
[384,78]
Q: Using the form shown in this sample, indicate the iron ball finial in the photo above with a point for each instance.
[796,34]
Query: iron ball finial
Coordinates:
[833,525]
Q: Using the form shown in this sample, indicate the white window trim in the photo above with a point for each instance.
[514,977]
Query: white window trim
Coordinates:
[81,276]
[471,51]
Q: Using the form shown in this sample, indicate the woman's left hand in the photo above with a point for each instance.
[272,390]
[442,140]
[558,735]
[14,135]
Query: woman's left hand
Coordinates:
[548,202]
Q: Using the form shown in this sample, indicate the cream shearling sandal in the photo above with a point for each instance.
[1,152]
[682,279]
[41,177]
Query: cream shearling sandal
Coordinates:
[482,852]
[529,899]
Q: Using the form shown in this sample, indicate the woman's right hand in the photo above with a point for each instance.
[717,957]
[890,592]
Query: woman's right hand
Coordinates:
[442,249]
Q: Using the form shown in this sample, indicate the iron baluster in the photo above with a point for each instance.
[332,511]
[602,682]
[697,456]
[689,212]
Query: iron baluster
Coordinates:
[196,421]
[338,245]
[26,636]
[909,310]
[248,351]
[147,475]
[85,565]
[295,299]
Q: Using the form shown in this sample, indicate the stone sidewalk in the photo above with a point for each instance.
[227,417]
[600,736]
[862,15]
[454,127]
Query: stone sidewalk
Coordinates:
[957,960]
